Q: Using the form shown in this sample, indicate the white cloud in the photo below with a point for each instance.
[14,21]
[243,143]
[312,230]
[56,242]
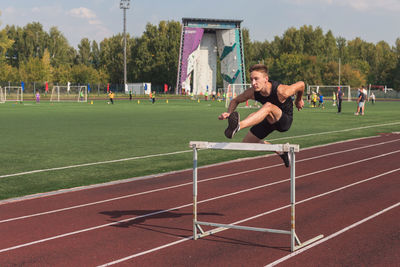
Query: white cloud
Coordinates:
[8,11]
[359,5]
[95,22]
[367,5]
[82,12]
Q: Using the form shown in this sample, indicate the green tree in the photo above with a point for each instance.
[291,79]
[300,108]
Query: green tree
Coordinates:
[395,74]
[95,55]
[112,57]
[330,49]
[288,68]
[82,74]
[9,73]
[154,56]
[61,53]
[5,44]
[342,48]
[84,53]
[385,62]
[62,75]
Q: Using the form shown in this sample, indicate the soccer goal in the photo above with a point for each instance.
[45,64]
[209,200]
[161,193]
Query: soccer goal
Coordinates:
[13,93]
[2,96]
[69,94]
[328,90]
[236,89]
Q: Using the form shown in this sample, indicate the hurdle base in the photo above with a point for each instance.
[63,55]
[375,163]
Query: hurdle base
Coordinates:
[221,227]
[306,243]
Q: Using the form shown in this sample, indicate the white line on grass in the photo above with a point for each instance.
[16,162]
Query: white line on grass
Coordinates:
[179,152]
[190,183]
[271,211]
[207,200]
[332,235]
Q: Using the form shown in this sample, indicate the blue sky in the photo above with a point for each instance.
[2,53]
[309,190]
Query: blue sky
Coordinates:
[371,20]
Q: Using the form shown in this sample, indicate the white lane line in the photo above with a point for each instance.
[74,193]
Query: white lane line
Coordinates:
[266,213]
[333,235]
[180,152]
[90,229]
[147,251]
[129,180]
[188,205]
[93,163]
[337,131]
[185,184]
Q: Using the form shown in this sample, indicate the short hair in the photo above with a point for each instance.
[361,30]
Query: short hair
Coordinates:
[260,68]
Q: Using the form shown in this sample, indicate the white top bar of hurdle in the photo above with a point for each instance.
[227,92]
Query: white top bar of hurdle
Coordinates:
[244,146]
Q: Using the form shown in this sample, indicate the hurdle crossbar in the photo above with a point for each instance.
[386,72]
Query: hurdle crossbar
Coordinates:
[290,148]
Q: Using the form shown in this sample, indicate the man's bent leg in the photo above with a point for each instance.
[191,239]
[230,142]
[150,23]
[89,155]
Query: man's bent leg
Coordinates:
[268,110]
[251,138]
[233,124]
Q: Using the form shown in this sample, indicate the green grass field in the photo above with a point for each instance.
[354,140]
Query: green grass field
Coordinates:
[45,135]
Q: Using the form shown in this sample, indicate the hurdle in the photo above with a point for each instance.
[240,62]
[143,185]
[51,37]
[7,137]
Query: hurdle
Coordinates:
[198,232]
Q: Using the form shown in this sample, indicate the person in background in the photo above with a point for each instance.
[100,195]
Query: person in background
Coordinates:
[111,96]
[334,99]
[314,99]
[360,102]
[339,98]
[37,97]
[372,98]
[321,101]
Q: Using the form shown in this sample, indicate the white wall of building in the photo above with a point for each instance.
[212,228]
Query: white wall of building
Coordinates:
[205,68]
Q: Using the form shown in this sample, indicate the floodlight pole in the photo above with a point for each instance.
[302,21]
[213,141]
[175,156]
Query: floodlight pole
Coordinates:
[124,5]
[339,71]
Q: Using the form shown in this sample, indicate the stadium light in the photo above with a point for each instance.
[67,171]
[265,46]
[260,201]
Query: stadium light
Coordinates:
[124,5]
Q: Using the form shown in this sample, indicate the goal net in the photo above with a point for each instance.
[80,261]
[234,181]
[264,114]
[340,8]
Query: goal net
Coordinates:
[236,89]
[329,90]
[13,93]
[69,94]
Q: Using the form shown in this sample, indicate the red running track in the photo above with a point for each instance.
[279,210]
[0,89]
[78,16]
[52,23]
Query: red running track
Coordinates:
[347,191]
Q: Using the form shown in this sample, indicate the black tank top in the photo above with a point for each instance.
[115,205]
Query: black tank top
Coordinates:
[286,107]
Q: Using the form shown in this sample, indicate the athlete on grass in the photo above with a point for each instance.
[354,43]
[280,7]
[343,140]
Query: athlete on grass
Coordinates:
[275,114]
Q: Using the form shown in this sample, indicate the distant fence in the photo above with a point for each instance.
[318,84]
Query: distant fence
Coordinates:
[33,87]
[388,94]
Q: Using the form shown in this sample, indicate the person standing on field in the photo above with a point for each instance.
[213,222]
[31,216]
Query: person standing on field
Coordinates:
[361,102]
[339,98]
[334,98]
[37,97]
[372,98]
[111,96]
[275,114]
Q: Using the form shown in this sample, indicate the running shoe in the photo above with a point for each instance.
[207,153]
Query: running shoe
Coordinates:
[233,124]
[285,157]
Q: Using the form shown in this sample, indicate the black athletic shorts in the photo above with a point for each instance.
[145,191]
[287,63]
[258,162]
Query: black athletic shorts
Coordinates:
[264,128]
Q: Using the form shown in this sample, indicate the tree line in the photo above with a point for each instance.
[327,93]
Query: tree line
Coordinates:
[31,54]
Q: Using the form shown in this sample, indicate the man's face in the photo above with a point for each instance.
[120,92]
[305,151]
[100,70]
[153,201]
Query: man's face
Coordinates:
[258,80]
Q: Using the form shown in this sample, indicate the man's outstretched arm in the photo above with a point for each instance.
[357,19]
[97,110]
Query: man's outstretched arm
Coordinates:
[286,91]
[243,97]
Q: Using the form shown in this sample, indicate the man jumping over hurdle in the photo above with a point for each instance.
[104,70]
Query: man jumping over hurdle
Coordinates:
[275,114]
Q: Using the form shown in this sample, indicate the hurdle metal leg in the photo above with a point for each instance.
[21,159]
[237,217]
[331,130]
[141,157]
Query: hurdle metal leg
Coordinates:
[194,193]
[291,149]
